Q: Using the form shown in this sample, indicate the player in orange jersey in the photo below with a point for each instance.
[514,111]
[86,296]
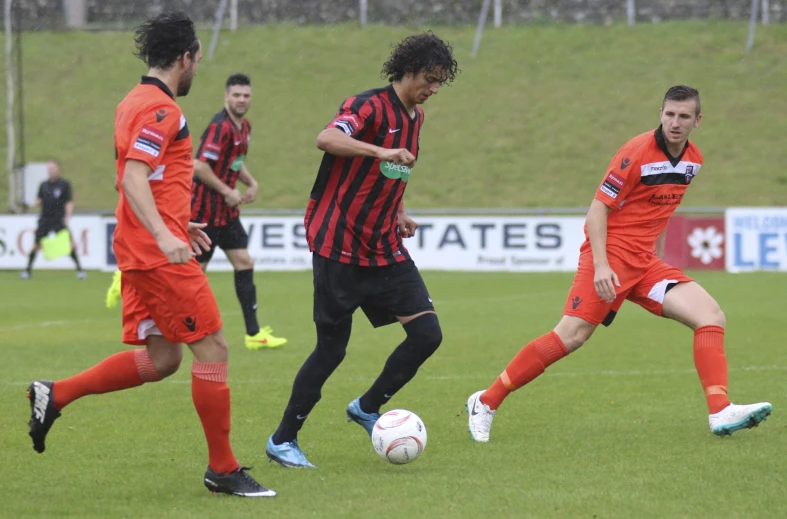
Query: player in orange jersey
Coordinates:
[621,259]
[166,297]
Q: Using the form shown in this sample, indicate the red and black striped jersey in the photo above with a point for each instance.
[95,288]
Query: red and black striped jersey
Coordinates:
[224,147]
[352,215]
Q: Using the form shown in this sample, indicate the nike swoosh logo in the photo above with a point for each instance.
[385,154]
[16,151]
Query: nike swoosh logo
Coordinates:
[236,143]
[301,417]
[394,130]
[209,482]
[473,411]
[386,395]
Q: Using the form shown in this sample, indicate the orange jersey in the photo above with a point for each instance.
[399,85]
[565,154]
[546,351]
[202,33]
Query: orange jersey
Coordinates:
[643,187]
[150,128]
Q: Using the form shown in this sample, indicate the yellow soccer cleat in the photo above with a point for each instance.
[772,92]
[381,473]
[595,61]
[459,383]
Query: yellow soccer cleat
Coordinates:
[264,339]
[113,293]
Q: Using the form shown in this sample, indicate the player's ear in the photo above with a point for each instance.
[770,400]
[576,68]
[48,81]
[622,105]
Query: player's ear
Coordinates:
[697,121]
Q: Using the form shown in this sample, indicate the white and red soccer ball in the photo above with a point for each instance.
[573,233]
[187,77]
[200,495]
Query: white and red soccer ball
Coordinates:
[399,436]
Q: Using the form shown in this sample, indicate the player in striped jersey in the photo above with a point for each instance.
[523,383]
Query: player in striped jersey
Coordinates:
[215,199]
[355,223]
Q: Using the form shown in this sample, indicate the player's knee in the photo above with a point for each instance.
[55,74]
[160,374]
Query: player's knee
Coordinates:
[244,263]
[574,333]
[332,340]
[170,364]
[212,348]
[714,316]
[425,331]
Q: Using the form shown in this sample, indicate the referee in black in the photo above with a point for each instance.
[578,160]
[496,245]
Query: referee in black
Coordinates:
[54,197]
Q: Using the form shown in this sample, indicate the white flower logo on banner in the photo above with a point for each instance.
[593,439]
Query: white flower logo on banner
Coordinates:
[706,244]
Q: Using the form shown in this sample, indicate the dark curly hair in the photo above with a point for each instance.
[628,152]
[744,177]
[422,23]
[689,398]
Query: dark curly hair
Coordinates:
[421,52]
[238,79]
[162,40]
[682,93]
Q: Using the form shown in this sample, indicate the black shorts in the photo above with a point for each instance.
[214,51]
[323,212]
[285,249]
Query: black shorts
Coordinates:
[47,226]
[227,237]
[383,293]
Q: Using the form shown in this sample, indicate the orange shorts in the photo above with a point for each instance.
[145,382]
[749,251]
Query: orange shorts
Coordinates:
[174,301]
[645,284]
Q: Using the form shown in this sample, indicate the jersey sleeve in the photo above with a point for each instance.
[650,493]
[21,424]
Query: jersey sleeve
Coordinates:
[623,174]
[212,144]
[67,193]
[355,116]
[151,133]
[41,191]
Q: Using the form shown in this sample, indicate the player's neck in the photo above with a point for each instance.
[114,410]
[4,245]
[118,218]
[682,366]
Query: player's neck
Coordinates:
[166,77]
[401,93]
[676,149]
[237,121]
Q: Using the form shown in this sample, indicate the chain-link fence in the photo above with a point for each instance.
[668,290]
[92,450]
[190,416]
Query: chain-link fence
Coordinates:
[123,14]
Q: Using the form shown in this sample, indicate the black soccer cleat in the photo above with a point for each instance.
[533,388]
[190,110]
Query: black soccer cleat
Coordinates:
[42,412]
[237,483]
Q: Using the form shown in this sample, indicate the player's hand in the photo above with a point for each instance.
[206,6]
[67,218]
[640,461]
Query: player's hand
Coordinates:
[233,198]
[407,225]
[605,281]
[250,195]
[398,156]
[199,240]
[176,251]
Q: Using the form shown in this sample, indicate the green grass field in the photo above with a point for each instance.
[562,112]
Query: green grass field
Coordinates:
[618,429]
[540,108]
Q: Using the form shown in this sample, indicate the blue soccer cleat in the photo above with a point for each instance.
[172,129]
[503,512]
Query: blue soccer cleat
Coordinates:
[288,454]
[365,420]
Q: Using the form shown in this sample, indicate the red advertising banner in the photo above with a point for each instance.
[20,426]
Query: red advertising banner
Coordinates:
[695,242]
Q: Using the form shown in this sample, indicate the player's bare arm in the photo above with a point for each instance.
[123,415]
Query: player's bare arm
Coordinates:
[136,188]
[336,142]
[605,278]
[204,172]
[251,192]
[407,225]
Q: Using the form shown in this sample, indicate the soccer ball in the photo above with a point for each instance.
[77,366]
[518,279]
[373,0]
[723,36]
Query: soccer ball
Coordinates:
[399,436]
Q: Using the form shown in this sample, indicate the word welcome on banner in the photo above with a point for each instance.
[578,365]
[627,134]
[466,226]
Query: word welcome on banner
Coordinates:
[756,239]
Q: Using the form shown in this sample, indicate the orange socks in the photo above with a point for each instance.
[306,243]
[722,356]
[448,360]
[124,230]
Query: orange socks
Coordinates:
[529,363]
[212,400]
[122,370]
[711,366]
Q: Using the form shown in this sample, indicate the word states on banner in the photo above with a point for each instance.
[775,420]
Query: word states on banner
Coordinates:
[756,239]
[440,243]
[17,237]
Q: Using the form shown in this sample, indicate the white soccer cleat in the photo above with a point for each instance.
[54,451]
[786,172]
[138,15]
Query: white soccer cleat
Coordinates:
[480,417]
[736,417]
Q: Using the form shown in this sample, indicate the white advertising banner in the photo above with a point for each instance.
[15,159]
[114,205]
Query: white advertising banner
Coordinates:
[17,236]
[482,243]
[526,244]
[756,238]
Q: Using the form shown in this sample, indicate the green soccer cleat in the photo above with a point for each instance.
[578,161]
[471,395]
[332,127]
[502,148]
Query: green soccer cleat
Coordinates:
[264,339]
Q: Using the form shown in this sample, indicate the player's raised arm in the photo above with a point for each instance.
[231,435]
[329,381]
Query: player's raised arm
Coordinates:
[136,188]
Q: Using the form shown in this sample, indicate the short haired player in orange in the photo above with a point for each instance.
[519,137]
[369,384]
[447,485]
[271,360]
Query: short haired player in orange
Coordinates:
[624,229]
[166,297]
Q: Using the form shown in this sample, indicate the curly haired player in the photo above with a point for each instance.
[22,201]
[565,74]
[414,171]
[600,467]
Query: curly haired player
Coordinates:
[355,222]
